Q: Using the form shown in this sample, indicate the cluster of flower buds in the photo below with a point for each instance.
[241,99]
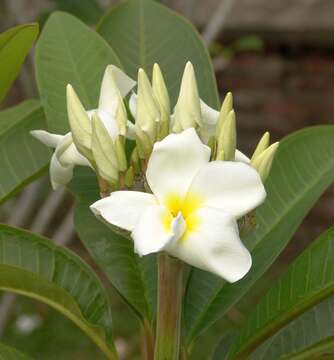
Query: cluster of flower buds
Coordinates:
[194,183]
[150,108]
[98,137]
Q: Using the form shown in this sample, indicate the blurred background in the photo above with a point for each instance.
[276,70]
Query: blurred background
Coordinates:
[277,57]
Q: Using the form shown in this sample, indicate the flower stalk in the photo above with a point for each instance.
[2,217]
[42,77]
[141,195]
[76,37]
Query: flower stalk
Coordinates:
[170,293]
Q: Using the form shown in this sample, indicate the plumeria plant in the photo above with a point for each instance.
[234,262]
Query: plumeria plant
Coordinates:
[182,223]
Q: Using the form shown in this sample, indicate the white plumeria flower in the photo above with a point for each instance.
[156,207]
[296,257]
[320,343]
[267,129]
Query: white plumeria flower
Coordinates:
[193,211]
[66,155]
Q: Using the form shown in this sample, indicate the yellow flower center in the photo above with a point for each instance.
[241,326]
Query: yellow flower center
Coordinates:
[187,206]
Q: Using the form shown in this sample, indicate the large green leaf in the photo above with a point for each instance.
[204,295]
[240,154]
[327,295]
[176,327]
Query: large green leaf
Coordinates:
[22,157]
[302,170]
[69,52]
[88,11]
[309,280]
[9,353]
[15,44]
[33,266]
[133,277]
[143,32]
[311,334]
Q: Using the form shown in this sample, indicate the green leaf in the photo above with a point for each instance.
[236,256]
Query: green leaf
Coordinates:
[88,11]
[15,44]
[33,266]
[69,52]
[309,336]
[22,157]
[133,277]
[302,170]
[143,32]
[9,353]
[308,280]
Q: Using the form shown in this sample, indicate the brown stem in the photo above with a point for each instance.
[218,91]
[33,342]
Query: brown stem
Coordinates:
[148,341]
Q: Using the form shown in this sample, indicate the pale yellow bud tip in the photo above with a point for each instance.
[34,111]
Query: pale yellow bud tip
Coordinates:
[261,146]
[264,161]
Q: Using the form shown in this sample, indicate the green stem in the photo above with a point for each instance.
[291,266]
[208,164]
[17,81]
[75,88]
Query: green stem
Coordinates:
[170,293]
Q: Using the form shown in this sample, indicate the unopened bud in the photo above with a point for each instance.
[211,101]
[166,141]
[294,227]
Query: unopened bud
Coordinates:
[120,153]
[144,143]
[147,107]
[129,177]
[134,159]
[264,161]
[121,116]
[226,108]
[220,155]
[212,143]
[188,109]
[103,150]
[161,94]
[80,124]
[228,138]
[111,98]
[261,146]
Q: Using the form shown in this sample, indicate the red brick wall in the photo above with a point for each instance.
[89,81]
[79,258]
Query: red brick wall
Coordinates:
[282,94]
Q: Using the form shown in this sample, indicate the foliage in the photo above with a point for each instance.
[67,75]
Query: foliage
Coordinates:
[136,34]
[15,44]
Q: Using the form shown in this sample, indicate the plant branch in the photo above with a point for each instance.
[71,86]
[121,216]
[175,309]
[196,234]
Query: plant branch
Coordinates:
[170,294]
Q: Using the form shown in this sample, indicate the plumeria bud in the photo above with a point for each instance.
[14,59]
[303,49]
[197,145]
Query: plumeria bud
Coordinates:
[135,162]
[263,162]
[227,140]
[104,152]
[121,116]
[147,107]
[220,155]
[226,108]
[120,153]
[212,143]
[262,145]
[188,109]
[80,124]
[129,177]
[144,143]
[161,94]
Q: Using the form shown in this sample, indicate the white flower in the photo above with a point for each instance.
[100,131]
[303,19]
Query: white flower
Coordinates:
[66,155]
[193,210]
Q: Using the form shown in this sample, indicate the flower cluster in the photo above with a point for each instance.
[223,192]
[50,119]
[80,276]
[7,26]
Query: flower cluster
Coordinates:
[194,185]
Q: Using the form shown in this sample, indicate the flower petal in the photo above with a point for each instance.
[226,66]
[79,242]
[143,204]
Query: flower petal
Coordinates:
[124,83]
[131,134]
[214,246]
[239,156]
[209,115]
[233,187]
[174,162]
[151,235]
[71,156]
[47,138]
[114,81]
[209,121]
[133,104]
[60,174]
[123,208]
